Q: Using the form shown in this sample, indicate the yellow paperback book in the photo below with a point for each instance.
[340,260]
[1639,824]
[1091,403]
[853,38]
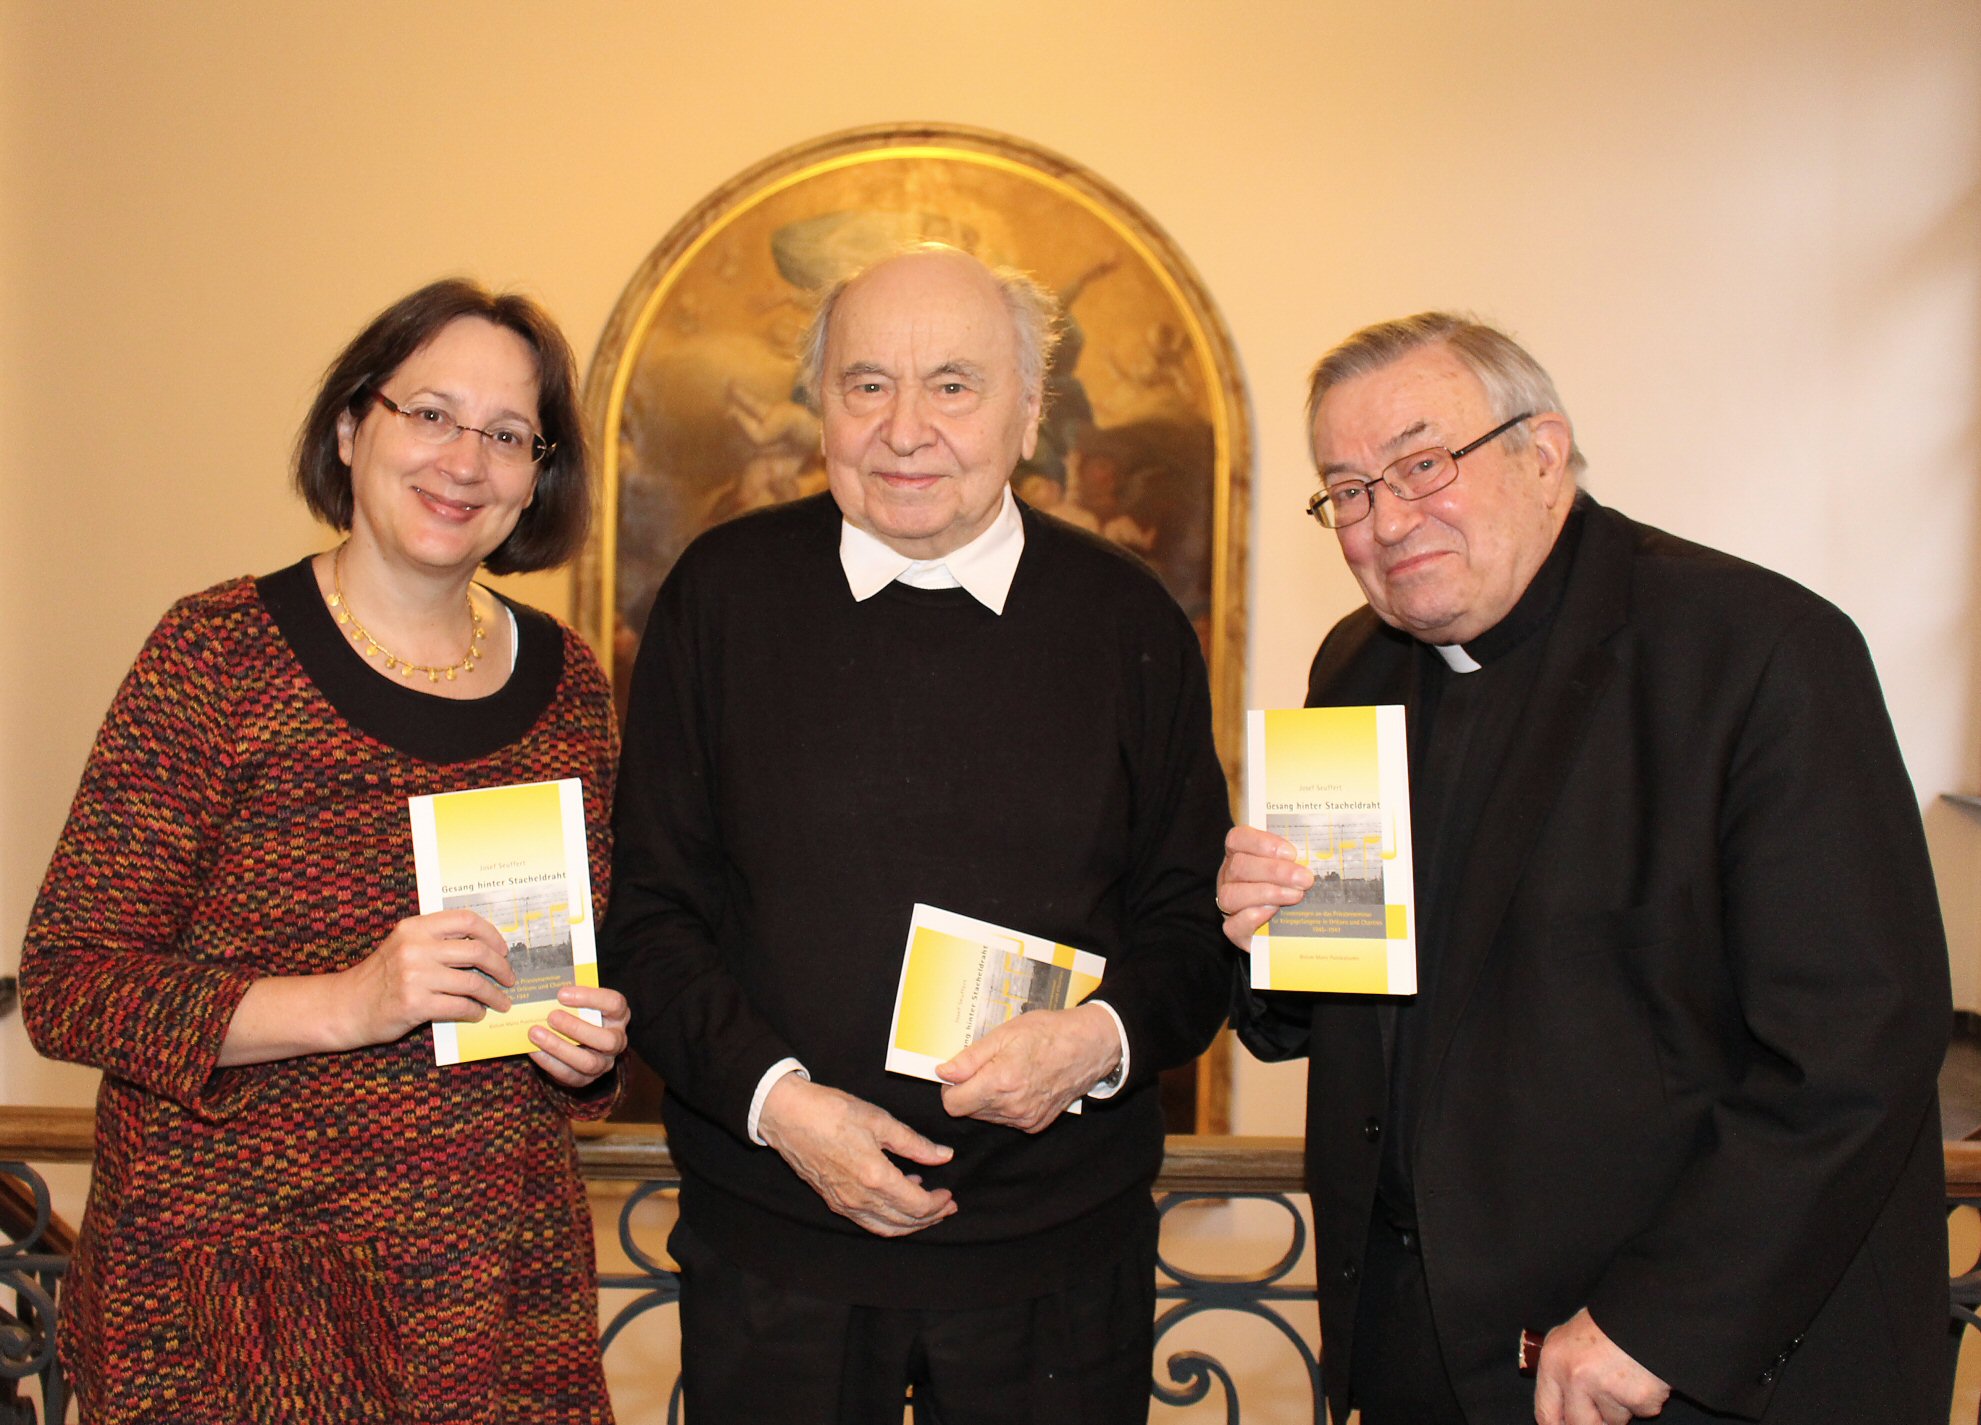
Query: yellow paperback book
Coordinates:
[961,978]
[516,855]
[1336,783]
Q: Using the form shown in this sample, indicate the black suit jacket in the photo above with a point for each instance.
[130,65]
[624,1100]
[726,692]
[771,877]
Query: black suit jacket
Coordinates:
[1692,1009]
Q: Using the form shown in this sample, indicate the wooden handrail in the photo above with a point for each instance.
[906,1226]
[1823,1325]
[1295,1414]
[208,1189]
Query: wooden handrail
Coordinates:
[1963,1169]
[1191,1163]
[47,1135]
[637,1152]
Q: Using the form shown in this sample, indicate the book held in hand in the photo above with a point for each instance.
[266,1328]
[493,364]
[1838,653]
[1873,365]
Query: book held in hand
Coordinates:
[1336,783]
[961,978]
[516,856]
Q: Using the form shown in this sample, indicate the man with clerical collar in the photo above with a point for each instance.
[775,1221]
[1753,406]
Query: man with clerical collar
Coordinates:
[914,689]
[1665,1104]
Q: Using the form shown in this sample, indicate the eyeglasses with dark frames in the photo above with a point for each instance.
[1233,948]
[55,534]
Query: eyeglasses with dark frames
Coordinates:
[1415,476]
[510,444]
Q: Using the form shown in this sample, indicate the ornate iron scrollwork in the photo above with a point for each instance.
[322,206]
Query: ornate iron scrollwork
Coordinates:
[28,1332]
[1253,1295]
[653,1282]
[32,1270]
[1192,1373]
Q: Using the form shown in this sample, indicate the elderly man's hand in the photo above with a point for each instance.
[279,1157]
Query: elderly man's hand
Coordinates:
[839,1144]
[1026,1071]
[1585,1378]
[1259,875]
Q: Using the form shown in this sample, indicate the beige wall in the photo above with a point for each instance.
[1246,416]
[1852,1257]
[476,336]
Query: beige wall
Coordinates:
[1745,237]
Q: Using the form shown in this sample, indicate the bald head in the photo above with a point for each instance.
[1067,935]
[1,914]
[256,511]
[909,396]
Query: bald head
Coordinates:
[1034,311]
[924,401]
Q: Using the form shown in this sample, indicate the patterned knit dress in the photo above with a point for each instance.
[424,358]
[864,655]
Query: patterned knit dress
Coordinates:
[339,1237]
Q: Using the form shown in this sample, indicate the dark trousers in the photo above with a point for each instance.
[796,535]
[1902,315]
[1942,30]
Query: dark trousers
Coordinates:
[753,1353]
[1399,1376]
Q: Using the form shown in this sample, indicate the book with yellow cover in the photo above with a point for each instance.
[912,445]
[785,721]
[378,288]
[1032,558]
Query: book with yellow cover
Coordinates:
[1336,783]
[516,855]
[961,978]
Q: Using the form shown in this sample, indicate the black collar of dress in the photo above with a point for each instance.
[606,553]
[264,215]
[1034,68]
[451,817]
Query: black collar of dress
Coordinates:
[421,725]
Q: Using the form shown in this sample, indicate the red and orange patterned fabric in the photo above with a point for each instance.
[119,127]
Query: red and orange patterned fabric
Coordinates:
[341,1237]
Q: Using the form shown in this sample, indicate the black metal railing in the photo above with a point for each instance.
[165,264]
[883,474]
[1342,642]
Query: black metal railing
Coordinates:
[34,1254]
[34,1257]
[1259,1294]
[1196,1169]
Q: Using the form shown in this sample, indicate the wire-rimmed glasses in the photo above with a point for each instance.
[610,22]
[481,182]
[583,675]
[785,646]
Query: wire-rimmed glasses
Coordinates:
[511,443]
[1421,473]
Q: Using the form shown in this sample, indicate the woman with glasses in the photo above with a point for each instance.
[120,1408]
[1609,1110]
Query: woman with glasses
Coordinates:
[296,1215]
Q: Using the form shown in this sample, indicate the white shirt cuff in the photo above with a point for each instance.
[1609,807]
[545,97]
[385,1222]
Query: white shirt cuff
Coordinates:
[1111,1085]
[772,1075]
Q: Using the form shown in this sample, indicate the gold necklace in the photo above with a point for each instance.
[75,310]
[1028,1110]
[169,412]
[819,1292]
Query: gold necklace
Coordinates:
[340,606]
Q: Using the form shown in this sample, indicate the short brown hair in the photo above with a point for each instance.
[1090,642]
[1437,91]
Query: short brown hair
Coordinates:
[551,530]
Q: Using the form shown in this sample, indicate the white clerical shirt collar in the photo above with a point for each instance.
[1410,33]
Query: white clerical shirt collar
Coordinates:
[1456,658]
[985,566]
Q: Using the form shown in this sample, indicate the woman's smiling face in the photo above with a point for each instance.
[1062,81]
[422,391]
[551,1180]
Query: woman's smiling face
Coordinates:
[444,507]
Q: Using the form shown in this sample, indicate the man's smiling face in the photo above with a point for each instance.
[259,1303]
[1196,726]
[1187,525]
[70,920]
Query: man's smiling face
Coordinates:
[924,408]
[1449,566]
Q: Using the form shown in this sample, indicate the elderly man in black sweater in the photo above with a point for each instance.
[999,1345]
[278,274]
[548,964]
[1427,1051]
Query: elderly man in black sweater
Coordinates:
[915,690]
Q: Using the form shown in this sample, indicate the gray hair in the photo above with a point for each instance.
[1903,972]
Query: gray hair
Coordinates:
[1514,381]
[1036,321]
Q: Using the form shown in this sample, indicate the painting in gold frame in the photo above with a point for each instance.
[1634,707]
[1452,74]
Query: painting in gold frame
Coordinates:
[694,410]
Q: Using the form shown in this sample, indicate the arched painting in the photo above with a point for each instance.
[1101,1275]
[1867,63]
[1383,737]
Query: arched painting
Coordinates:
[697,416]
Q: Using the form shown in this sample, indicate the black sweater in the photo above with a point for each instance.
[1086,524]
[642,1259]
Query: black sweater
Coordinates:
[800,769]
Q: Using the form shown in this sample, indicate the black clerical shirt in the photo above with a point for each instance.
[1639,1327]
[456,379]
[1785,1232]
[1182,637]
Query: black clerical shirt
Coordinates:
[1462,726]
